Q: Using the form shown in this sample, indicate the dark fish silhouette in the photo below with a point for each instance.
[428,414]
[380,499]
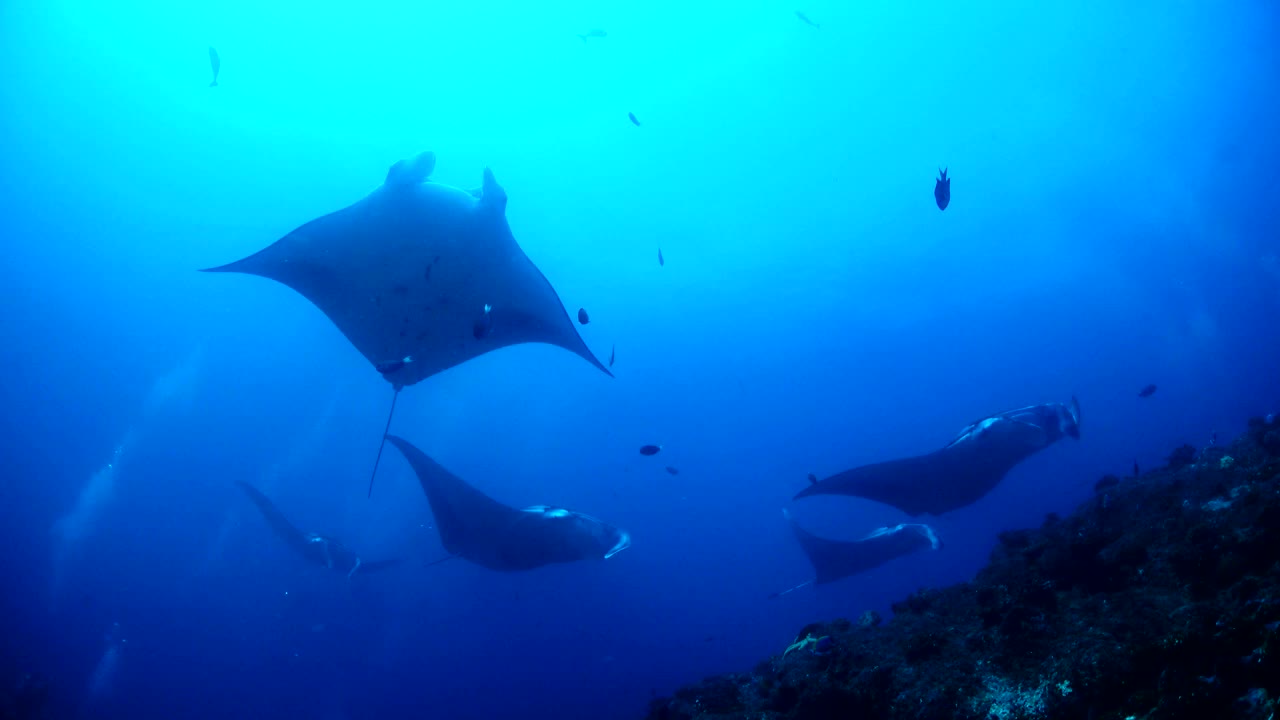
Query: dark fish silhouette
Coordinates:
[634,121]
[942,190]
[582,316]
[1147,391]
[805,19]
[613,352]
[596,33]
[813,479]
[672,471]
[216,64]
[650,449]
[660,260]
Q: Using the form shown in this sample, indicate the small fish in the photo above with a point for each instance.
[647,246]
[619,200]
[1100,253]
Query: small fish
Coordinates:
[805,19]
[390,367]
[813,479]
[661,262]
[613,353]
[1147,391]
[484,324]
[942,190]
[672,471]
[216,64]
[634,121]
[582,316]
[650,449]
[596,33]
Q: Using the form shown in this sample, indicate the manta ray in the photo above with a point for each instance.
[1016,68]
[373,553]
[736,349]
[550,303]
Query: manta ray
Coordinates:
[961,473]
[836,559]
[316,549]
[420,277]
[477,528]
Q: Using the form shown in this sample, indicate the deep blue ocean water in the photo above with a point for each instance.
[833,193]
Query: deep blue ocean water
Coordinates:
[1113,223]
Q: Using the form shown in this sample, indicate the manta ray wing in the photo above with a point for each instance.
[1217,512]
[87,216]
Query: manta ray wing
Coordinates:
[934,483]
[328,552]
[478,528]
[280,525]
[472,525]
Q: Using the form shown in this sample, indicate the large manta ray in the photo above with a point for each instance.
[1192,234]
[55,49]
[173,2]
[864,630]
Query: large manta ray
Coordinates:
[836,559]
[478,528]
[316,549]
[420,276]
[963,471]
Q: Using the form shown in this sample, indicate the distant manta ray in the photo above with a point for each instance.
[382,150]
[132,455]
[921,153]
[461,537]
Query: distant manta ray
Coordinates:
[477,528]
[836,559]
[420,277]
[961,473]
[317,549]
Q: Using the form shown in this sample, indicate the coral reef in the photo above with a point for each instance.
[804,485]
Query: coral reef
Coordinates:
[1159,598]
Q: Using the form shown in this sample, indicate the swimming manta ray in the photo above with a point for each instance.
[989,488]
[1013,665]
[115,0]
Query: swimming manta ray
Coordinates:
[836,559]
[420,277]
[966,469]
[317,549]
[475,527]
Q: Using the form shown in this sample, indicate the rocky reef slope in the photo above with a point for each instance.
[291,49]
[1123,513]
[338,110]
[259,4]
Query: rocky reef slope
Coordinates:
[1157,599]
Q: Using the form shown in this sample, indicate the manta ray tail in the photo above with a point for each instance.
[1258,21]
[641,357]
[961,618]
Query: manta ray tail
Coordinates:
[368,566]
[804,584]
[383,443]
[437,562]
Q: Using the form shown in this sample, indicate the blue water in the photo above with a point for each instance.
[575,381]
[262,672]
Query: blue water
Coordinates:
[1113,223]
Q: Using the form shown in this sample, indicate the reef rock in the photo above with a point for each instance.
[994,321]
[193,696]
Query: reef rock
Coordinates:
[1159,598]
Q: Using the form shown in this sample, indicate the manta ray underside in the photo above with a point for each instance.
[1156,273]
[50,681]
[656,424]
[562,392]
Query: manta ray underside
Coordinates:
[478,528]
[406,273]
[420,276]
